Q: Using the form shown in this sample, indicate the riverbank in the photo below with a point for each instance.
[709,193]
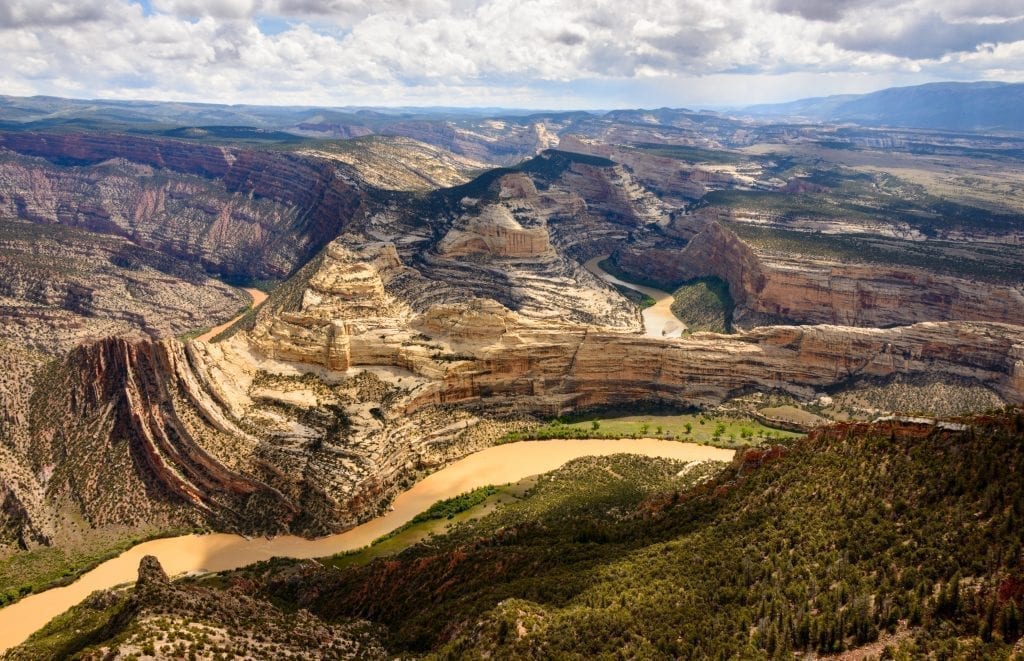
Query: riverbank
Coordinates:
[500,464]
[659,320]
[257,298]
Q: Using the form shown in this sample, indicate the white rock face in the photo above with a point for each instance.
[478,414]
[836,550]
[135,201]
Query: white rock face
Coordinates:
[497,233]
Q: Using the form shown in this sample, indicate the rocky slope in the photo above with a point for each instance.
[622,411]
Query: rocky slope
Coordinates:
[311,421]
[157,619]
[426,326]
[851,541]
[60,286]
[775,286]
[517,236]
[237,212]
[431,327]
[676,180]
[399,163]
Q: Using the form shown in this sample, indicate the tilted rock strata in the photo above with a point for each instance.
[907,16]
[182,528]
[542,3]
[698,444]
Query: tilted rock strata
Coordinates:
[129,402]
[507,366]
[518,240]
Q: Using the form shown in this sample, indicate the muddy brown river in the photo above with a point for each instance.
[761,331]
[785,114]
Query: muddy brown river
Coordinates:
[658,319]
[206,553]
[257,298]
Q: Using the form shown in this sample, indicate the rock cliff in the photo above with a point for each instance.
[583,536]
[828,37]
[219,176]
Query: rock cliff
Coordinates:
[554,368]
[241,435]
[60,286]
[115,424]
[426,326]
[776,286]
[238,212]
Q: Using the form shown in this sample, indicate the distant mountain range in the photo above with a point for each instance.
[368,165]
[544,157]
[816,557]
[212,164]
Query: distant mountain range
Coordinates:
[980,106]
[944,106]
[49,111]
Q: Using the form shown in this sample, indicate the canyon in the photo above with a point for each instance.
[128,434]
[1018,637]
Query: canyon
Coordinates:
[418,314]
[351,381]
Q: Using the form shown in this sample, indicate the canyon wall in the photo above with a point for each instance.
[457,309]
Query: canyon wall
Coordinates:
[198,434]
[558,373]
[816,291]
[114,421]
[428,328]
[238,212]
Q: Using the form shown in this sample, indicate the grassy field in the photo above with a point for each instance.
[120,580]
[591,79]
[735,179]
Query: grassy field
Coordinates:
[794,414]
[727,432]
[690,154]
[39,569]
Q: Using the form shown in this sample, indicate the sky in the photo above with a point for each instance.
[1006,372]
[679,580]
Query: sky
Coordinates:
[552,54]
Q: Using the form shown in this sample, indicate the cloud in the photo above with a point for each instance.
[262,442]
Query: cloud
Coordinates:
[31,13]
[197,8]
[570,37]
[486,52]
[930,36]
[978,9]
[817,10]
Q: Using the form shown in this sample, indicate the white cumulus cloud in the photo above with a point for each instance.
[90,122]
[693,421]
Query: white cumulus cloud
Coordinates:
[538,53]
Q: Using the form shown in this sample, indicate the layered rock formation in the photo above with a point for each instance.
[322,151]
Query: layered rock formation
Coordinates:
[61,286]
[426,326]
[517,237]
[554,368]
[804,289]
[407,394]
[560,372]
[495,232]
[405,389]
[123,409]
[238,212]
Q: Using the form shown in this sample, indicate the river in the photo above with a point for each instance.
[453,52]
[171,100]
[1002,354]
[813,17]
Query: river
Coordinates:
[216,552]
[257,298]
[658,319]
